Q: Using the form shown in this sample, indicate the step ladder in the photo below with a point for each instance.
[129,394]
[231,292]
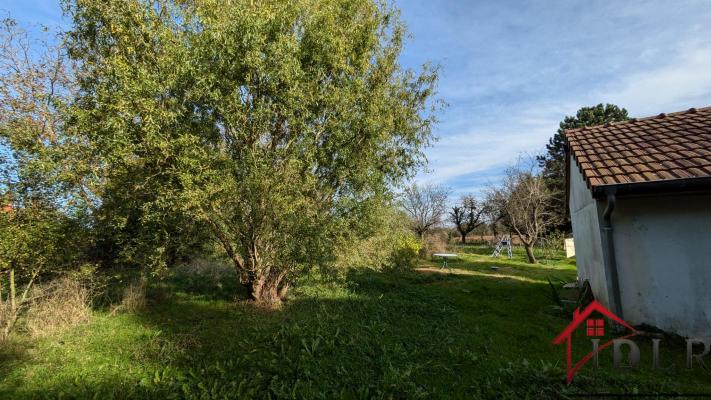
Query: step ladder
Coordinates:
[505,242]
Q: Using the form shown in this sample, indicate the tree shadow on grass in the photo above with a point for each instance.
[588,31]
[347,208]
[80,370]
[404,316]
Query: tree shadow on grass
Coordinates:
[12,355]
[378,335]
[382,336]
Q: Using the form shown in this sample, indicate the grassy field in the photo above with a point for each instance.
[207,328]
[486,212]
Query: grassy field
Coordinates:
[468,332]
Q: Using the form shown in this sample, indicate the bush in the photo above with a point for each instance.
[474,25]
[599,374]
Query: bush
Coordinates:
[134,297]
[391,245]
[433,242]
[56,305]
[552,244]
[404,254]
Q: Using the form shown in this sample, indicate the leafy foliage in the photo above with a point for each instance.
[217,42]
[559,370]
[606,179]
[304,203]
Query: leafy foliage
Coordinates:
[276,126]
[390,245]
[41,230]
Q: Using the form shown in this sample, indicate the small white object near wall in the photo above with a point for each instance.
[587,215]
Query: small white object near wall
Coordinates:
[569,248]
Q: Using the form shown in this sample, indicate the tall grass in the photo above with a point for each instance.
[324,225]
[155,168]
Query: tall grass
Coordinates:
[56,305]
[134,298]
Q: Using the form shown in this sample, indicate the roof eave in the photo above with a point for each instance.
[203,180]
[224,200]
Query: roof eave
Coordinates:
[683,185]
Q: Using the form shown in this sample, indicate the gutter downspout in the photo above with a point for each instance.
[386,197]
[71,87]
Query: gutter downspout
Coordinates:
[612,277]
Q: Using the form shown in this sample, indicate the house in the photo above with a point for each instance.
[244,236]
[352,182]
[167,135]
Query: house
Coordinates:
[639,194]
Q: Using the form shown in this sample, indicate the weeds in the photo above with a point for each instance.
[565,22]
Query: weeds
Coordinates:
[367,335]
[134,298]
[434,242]
[56,305]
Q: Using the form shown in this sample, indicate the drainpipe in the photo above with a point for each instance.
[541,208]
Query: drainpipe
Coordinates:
[610,259]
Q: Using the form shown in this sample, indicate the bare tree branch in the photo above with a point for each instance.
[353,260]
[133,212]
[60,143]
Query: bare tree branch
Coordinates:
[426,205]
[523,199]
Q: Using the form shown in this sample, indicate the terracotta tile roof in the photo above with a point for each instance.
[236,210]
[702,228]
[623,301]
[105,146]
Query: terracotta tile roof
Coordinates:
[663,147]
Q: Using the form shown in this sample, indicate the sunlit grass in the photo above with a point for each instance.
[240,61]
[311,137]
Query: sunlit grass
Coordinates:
[468,332]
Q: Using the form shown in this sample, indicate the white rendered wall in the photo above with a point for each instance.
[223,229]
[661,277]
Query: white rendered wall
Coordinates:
[585,217]
[663,249]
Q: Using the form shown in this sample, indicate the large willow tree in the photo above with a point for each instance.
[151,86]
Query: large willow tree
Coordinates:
[278,125]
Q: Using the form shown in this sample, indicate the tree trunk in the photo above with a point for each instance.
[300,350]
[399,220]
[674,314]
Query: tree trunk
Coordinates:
[264,284]
[13,304]
[268,287]
[529,253]
[464,238]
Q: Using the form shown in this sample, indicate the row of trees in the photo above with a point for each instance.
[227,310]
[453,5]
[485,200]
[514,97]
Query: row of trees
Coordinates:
[528,202]
[521,203]
[272,130]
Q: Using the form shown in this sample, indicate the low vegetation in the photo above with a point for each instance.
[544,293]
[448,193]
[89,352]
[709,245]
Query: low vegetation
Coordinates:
[209,199]
[58,304]
[469,332]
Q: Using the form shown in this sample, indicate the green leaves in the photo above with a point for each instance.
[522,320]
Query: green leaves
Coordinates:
[265,121]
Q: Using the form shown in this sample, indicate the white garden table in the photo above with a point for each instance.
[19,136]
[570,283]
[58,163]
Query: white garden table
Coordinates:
[444,257]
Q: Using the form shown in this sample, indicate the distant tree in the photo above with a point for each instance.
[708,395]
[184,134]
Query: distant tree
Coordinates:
[524,199]
[494,214]
[466,216]
[553,161]
[425,205]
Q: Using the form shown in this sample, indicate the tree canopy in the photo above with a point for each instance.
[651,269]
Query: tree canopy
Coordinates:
[425,206]
[275,125]
[524,202]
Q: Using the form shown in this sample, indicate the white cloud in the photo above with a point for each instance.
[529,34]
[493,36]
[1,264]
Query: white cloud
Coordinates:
[682,83]
[498,133]
[494,141]
[475,156]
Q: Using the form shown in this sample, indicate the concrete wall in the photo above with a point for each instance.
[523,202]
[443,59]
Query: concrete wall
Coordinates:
[663,249]
[585,215]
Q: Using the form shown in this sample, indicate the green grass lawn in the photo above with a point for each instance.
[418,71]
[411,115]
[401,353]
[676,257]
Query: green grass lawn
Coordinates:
[472,332]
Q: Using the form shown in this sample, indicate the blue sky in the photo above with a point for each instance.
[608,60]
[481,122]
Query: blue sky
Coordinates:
[511,70]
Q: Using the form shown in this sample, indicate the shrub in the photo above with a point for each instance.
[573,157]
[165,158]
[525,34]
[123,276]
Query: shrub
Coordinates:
[404,254]
[56,305]
[13,305]
[434,242]
[134,297]
[552,244]
[390,245]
